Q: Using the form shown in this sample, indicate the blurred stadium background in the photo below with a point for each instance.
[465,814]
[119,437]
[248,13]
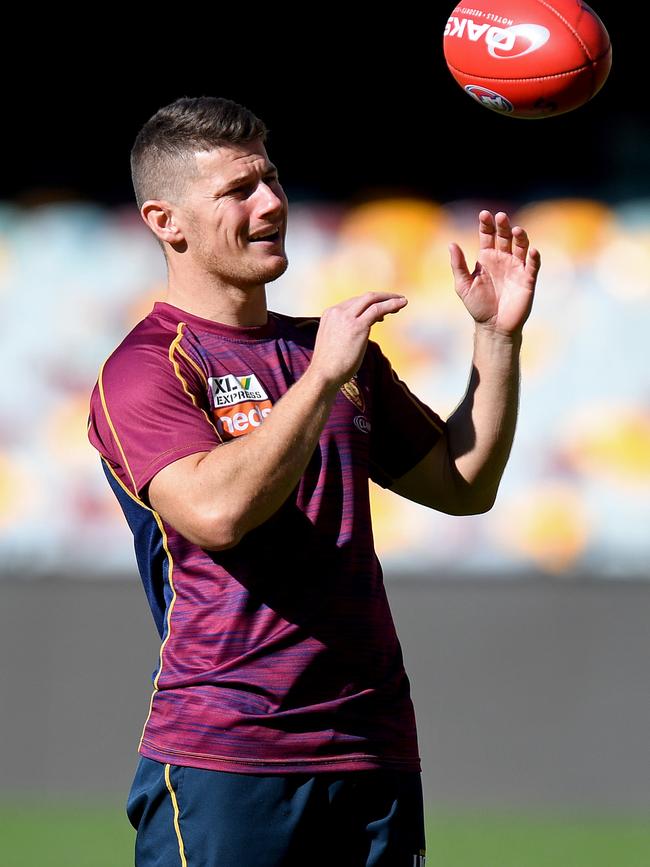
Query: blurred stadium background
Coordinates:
[525,630]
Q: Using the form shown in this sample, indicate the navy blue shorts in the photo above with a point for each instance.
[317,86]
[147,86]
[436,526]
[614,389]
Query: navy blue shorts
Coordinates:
[189,817]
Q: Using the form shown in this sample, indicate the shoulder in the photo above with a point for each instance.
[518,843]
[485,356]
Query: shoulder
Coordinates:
[154,347]
[146,343]
[148,361]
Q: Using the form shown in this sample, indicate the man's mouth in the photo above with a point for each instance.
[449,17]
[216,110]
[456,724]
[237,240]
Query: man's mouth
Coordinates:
[270,237]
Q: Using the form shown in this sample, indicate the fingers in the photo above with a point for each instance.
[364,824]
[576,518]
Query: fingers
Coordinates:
[503,233]
[459,265]
[495,233]
[376,311]
[343,332]
[534,262]
[360,302]
[458,261]
[358,305]
[486,231]
[519,243]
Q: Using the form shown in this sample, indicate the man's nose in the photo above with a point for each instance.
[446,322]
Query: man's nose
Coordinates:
[269,200]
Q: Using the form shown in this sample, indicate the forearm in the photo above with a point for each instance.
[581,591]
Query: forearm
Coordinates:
[246,481]
[481,429]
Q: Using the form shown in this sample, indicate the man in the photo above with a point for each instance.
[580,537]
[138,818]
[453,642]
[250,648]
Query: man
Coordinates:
[239,443]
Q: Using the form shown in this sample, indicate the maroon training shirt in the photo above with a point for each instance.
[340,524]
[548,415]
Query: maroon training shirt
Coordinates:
[279,654]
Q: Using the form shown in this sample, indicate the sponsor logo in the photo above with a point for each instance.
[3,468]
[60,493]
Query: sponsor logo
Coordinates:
[240,404]
[352,391]
[489,98]
[238,421]
[229,390]
[503,43]
[362,423]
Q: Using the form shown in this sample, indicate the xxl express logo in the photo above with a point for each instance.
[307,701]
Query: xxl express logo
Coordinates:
[240,403]
[503,43]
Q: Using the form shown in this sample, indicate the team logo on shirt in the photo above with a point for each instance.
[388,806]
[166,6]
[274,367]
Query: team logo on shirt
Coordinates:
[352,391]
[240,403]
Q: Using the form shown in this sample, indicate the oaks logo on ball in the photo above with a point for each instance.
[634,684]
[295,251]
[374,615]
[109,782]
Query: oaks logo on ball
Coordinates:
[240,403]
[533,36]
[489,98]
[500,41]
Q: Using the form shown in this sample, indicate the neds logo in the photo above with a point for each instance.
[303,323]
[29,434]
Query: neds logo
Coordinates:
[235,422]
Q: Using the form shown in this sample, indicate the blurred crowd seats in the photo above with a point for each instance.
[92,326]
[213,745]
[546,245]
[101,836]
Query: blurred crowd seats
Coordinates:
[575,499]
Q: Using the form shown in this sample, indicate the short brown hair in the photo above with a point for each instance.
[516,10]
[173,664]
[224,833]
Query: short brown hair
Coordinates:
[162,157]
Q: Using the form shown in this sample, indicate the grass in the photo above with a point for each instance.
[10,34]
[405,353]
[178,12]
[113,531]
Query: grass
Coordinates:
[518,841]
[64,834]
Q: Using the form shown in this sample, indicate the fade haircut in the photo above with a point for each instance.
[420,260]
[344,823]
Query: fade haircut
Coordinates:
[162,157]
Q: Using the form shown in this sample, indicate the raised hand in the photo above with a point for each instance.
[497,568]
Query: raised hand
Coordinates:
[499,292]
[344,330]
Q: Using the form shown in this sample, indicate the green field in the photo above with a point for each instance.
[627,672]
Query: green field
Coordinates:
[71,835]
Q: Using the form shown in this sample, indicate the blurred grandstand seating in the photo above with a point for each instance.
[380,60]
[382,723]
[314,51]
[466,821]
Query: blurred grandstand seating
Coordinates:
[76,277]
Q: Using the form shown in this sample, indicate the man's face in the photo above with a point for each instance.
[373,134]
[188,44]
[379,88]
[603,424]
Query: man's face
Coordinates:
[235,199]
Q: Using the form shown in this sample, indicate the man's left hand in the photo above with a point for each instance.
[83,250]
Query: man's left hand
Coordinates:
[499,292]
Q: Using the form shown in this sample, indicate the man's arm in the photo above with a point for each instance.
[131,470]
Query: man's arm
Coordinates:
[214,498]
[461,474]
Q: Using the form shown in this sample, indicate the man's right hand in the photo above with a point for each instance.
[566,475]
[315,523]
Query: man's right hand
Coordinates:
[343,334]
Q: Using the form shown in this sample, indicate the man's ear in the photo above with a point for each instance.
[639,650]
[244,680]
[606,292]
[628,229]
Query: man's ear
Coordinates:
[160,217]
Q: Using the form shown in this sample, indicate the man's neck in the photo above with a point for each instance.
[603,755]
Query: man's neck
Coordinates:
[229,305]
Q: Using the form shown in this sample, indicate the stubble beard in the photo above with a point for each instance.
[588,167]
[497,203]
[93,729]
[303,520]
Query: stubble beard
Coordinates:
[241,271]
[246,274]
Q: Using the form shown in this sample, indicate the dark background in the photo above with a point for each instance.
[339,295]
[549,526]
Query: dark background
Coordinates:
[358,101]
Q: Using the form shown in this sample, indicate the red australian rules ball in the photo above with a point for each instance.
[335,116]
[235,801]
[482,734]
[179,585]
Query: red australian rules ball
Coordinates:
[528,58]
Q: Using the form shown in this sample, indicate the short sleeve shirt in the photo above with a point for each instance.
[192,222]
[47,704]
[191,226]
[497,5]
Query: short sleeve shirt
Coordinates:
[280,653]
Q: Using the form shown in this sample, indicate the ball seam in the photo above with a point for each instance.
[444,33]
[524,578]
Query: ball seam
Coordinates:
[527,79]
[573,31]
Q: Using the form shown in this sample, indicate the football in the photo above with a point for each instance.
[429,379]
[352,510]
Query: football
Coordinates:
[528,58]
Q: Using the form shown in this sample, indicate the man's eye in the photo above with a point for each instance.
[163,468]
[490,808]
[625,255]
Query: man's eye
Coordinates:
[247,189]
